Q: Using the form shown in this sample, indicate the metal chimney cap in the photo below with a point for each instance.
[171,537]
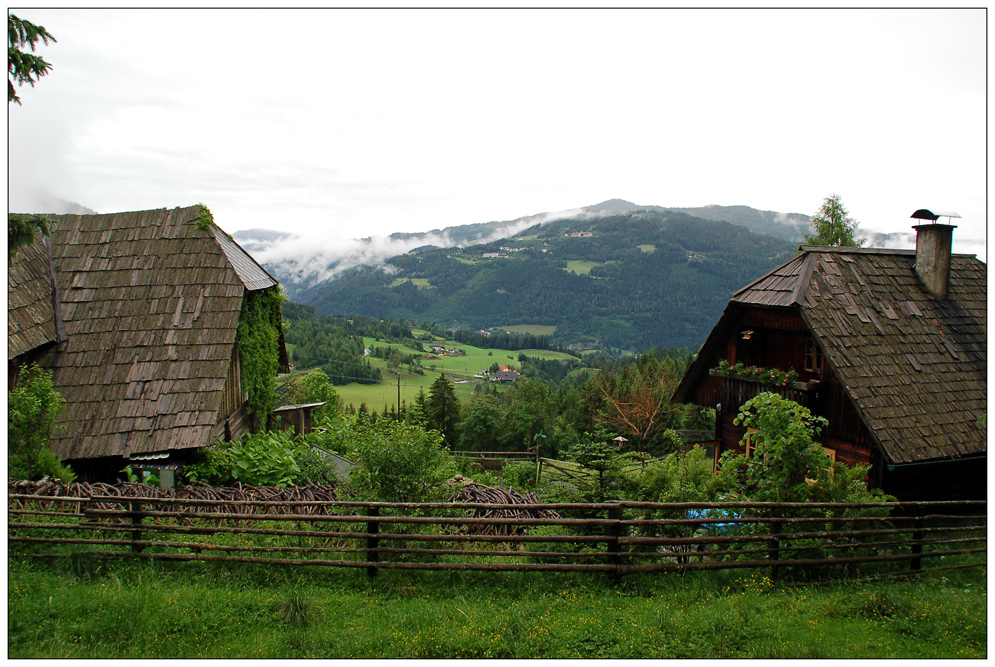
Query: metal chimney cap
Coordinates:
[926,214]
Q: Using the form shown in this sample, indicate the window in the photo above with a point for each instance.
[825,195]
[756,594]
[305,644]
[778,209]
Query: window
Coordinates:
[831,453]
[750,445]
[813,356]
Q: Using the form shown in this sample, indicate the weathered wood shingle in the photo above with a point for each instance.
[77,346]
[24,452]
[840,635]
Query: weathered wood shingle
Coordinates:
[150,303]
[31,320]
[913,366]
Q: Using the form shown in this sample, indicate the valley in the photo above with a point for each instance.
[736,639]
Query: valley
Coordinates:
[630,281]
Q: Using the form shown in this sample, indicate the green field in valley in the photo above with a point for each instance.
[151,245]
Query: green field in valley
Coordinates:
[420,283]
[534,329]
[460,369]
[581,267]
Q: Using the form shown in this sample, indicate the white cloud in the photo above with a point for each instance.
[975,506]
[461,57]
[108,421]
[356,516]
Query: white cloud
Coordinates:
[366,123]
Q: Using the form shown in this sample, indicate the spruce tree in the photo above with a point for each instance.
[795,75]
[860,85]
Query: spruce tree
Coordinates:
[442,409]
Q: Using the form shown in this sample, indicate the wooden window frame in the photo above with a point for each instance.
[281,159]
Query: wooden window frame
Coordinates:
[813,356]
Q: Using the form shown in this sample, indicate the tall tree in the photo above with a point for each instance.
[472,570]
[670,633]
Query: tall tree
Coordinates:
[24,67]
[833,225]
[442,409]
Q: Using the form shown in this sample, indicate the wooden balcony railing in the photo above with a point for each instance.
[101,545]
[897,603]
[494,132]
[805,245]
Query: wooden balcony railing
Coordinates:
[738,389]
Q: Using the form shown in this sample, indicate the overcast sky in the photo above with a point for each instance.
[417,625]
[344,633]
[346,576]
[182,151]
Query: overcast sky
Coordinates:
[350,123]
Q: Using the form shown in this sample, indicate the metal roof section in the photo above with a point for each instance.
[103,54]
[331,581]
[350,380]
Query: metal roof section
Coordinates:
[253,276]
[927,214]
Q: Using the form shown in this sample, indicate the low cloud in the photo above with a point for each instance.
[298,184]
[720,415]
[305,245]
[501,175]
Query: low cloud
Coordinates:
[310,260]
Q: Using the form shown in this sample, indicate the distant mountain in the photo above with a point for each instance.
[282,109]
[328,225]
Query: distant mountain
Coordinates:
[609,275]
[259,240]
[300,263]
[42,201]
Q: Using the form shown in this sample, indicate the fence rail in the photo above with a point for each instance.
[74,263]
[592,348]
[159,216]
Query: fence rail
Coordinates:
[808,542]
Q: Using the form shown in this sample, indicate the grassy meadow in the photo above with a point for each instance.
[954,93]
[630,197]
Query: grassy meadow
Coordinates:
[581,267]
[216,610]
[460,370]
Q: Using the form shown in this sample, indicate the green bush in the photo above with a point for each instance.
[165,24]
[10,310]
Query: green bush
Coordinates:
[786,452]
[679,478]
[521,475]
[314,467]
[212,466]
[399,462]
[32,408]
[312,387]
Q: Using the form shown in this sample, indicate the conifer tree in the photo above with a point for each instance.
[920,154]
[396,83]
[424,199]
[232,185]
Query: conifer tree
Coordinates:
[442,409]
[833,225]
[24,67]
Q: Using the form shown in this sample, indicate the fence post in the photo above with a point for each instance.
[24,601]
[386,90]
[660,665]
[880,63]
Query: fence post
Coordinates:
[916,563]
[614,548]
[372,541]
[774,546]
[135,509]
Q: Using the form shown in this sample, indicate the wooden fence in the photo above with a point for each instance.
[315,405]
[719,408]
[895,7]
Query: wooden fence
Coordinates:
[798,542]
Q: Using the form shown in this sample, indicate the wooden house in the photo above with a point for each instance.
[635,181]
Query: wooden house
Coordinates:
[888,345]
[136,314]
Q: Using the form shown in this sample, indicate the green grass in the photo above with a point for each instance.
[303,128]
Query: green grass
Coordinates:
[581,267]
[534,329]
[213,610]
[420,283]
[461,369]
[647,248]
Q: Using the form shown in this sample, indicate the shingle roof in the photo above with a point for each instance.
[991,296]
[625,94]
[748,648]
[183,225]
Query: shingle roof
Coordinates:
[151,305]
[915,367]
[30,310]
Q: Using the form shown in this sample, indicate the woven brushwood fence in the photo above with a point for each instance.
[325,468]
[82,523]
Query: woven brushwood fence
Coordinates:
[794,542]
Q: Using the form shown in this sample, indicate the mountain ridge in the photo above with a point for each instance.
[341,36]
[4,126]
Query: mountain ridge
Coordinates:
[634,280]
[298,264]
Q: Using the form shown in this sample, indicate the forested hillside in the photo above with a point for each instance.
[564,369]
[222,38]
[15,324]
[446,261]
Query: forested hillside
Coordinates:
[630,281]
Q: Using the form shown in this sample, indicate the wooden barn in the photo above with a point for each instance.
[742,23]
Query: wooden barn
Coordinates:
[888,345]
[137,314]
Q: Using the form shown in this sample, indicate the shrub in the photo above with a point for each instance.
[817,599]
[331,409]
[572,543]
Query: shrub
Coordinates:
[314,467]
[786,452]
[265,459]
[312,387]
[679,478]
[519,474]
[399,462]
[211,466]
[32,408]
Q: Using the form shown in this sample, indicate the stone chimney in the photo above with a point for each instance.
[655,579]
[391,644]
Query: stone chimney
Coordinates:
[933,244]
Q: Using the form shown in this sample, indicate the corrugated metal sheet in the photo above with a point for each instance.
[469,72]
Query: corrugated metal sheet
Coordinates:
[253,276]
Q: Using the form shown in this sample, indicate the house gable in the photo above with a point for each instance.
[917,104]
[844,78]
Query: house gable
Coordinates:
[905,371]
[151,303]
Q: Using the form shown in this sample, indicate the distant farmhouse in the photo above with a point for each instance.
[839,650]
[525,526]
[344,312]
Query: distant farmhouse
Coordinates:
[578,234]
[137,315]
[505,374]
[889,345]
[443,351]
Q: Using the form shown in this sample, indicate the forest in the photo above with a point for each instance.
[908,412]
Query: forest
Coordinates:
[645,279]
[556,403]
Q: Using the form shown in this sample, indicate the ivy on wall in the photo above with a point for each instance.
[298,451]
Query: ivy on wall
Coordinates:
[260,353]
